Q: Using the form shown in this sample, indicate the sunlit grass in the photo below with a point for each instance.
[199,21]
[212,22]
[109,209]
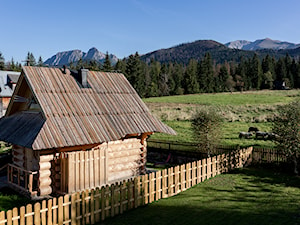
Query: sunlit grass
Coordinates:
[244,197]
[236,98]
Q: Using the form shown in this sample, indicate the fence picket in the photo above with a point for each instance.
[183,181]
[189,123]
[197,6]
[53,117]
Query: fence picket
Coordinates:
[9,217]
[15,216]
[37,211]
[22,215]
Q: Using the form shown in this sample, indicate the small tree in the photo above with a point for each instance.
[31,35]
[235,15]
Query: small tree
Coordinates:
[287,126]
[206,125]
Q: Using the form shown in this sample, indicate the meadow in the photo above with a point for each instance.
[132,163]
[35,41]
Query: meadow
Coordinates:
[239,110]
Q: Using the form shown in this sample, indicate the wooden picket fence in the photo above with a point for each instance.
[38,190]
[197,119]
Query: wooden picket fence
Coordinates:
[92,206]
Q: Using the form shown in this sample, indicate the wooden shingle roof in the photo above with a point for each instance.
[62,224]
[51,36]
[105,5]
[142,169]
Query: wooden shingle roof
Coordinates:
[109,109]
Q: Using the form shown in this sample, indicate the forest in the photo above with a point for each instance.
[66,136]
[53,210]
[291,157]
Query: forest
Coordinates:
[153,79]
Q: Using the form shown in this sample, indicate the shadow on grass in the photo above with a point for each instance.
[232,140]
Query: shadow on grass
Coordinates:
[10,199]
[246,196]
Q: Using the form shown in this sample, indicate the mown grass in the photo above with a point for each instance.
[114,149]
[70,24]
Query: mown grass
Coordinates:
[244,197]
[236,98]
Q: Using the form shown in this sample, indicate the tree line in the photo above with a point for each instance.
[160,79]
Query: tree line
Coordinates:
[205,76]
[155,79]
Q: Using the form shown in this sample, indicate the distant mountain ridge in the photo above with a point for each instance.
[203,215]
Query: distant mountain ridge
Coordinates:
[182,53]
[266,43]
[73,56]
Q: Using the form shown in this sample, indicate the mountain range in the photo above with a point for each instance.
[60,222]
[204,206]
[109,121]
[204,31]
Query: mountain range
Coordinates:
[73,56]
[266,43]
[182,53]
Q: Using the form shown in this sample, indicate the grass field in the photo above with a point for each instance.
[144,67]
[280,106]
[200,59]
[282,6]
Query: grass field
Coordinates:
[246,196]
[239,111]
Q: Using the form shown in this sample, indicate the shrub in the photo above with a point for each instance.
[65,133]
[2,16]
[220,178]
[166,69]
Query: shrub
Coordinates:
[206,125]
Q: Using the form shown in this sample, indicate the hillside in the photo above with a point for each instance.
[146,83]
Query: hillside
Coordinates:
[196,50]
[219,52]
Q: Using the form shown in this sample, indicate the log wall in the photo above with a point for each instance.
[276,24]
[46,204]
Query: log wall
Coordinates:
[124,159]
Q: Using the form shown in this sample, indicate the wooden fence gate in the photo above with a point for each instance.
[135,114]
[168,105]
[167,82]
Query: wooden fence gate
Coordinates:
[83,170]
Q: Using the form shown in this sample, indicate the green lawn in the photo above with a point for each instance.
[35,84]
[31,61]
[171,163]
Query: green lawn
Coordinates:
[246,196]
[236,98]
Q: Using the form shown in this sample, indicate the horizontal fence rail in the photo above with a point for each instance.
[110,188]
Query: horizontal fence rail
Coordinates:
[91,206]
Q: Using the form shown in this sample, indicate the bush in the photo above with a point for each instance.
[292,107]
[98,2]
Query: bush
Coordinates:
[286,126]
[206,125]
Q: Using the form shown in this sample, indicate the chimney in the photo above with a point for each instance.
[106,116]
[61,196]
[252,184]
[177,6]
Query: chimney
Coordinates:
[83,73]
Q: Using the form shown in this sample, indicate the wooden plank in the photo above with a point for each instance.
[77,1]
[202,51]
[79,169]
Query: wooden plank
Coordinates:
[157,185]
[37,216]
[22,215]
[91,167]
[188,175]
[164,184]
[71,173]
[123,188]
[66,207]
[136,196]
[151,187]
[9,217]
[194,177]
[112,200]
[92,203]
[96,158]
[73,208]
[60,210]
[176,179]
[129,194]
[183,177]
[103,203]
[81,173]
[43,213]
[78,212]
[77,171]
[15,215]
[87,206]
[54,211]
[49,212]
[86,170]
[29,220]
[97,204]
[2,218]
[83,207]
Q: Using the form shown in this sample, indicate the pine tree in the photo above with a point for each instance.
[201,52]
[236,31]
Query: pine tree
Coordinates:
[223,77]
[107,64]
[134,73]
[30,60]
[2,62]
[40,61]
[206,74]
[190,83]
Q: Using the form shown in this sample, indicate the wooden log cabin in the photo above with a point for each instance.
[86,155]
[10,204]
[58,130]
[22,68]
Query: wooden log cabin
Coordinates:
[75,130]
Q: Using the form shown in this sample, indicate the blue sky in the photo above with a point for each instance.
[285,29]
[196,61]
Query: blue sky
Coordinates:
[123,27]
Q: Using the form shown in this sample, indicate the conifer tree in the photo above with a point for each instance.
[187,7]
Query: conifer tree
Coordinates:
[2,62]
[40,61]
[190,83]
[134,73]
[30,60]
[107,64]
